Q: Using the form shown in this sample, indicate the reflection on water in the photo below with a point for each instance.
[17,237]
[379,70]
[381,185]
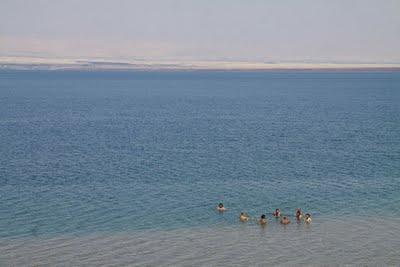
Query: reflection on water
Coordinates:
[353,241]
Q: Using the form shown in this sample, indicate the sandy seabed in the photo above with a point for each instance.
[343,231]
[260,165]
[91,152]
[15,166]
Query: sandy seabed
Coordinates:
[372,242]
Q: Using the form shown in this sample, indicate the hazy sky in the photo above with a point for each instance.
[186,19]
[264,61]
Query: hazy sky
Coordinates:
[251,30]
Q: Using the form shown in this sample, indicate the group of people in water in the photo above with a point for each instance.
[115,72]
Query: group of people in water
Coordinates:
[244,217]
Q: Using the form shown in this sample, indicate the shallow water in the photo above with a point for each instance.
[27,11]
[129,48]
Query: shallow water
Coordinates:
[120,154]
[372,242]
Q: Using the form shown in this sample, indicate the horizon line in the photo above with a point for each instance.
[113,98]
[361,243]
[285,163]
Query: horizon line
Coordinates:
[26,63]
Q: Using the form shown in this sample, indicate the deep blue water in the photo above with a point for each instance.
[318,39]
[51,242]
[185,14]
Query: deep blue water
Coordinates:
[85,152]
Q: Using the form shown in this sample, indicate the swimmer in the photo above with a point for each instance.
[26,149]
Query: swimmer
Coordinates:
[285,220]
[244,217]
[308,218]
[220,207]
[263,220]
[277,213]
[299,214]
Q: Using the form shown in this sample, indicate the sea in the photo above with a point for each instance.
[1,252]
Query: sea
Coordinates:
[126,168]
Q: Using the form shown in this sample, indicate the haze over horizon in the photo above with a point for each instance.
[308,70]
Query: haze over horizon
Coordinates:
[192,31]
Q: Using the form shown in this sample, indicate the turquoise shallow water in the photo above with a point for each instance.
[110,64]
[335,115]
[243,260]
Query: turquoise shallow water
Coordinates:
[104,153]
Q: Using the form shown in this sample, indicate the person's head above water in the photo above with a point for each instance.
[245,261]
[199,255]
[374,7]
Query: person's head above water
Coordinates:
[263,220]
[244,217]
[285,220]
[220,207]
[308,218]
[299,214]
[277,213]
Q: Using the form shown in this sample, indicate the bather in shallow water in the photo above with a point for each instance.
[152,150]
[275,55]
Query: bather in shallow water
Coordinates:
[285,220]
[244,217]
[308,218]
[299,214]
[263,220]
[221,207]
[277,213]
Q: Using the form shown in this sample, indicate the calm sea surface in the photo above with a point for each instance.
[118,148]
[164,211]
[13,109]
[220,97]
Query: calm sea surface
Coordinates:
[126,168]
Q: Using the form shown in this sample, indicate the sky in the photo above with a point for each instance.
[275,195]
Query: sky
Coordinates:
[203,30]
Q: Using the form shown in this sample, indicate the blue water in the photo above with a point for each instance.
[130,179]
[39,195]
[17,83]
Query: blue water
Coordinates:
[109,152]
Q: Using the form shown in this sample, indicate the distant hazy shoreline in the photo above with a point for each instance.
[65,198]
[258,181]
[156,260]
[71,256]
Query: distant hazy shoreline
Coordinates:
[22,63]
[78,68]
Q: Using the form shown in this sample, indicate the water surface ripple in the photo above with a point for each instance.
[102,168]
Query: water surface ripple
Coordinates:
[98,154]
